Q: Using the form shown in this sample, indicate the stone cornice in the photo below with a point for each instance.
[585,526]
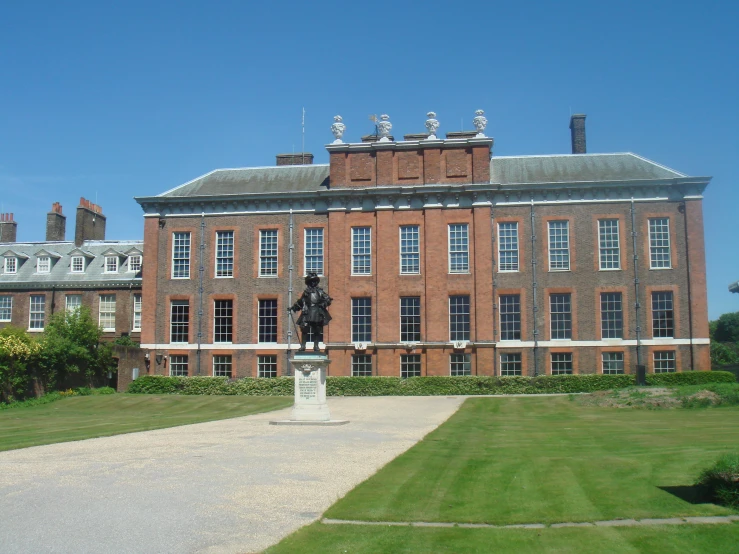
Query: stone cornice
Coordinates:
[427,196]
[409,144]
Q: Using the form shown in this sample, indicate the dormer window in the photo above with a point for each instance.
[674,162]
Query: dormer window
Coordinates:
[43,264]
[134,263]
[111,264]
[11,265]
[78,264]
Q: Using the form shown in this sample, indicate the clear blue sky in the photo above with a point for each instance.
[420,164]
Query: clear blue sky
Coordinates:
[115,100]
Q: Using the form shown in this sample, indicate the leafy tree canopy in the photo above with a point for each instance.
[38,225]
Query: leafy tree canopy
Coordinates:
[725,328]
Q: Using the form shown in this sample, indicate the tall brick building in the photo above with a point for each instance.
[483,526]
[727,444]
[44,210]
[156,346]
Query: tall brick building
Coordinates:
[442,259]
[38,279]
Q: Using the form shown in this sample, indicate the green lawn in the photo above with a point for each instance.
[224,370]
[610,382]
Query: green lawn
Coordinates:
[540,460]
[85,417]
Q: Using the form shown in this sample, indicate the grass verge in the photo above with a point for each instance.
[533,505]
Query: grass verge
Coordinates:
[85,417]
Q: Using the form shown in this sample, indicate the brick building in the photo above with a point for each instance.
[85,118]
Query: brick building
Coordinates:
[442,259]
[38,279]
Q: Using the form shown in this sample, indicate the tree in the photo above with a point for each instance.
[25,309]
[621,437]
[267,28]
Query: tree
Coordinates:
[71,347]
[726,328]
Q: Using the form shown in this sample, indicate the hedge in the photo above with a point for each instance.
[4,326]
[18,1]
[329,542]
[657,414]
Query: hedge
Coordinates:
[418,386]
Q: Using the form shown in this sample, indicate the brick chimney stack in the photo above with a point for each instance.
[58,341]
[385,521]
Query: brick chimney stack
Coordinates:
[8,228]
[90,222]
[56,223]
[577,128]
[301,158]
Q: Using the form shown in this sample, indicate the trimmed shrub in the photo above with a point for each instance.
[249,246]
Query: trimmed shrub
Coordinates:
[722,480]
[416,386]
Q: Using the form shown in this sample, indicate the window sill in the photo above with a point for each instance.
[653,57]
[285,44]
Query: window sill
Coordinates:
[180,278]
[610,269]
[559,270]
[659,268]
[509,271]
[223,277]
[35,330]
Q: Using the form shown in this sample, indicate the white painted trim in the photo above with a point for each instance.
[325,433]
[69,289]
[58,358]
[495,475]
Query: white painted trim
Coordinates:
[600,343]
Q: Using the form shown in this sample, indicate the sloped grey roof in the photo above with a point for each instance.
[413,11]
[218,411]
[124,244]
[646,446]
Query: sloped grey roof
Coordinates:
[250,180]
[576,168]
[61,274]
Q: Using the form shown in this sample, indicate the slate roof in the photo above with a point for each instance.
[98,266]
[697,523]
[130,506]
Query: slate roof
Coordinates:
[506,170]
[576,168]
[60,274]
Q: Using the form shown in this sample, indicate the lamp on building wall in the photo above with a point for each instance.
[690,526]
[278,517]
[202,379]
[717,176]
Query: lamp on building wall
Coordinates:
[159,358]
[147,361]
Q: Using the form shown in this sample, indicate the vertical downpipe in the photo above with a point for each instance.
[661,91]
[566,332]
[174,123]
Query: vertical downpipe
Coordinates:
[637,304]
[495,302]
[201,272]
[682,208]
[533,277]
[291,248]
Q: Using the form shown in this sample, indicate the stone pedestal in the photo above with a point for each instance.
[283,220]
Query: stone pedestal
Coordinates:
[310,406]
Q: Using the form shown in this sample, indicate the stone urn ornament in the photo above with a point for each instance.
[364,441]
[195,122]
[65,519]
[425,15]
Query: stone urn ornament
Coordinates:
[480,122]
[384,127]
[432,124]
[338,128]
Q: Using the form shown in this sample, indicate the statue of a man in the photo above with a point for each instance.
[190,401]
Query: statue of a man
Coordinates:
[313,303]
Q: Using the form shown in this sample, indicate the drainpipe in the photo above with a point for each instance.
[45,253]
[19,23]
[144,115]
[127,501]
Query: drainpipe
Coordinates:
[201,271]
[495,302]
[533,276]
[682,209]
[637,304]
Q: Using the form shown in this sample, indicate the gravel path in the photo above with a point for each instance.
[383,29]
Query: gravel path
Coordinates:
[237,485]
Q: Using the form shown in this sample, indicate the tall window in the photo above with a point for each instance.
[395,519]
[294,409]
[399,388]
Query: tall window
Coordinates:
[268,320]
[179,323]
[11,265]
[459,318]
[410,250]
[608,244]
[78,264]
[43,264]
[6,308]
[136,325]
[510,364]
[267,366]
[460,364]
[361,365]
[664,361]
[659,243]
[314,251]
[37,312]
[560,311]
[561,363]
[663,315]
[111,264]
[611,316]
[107,312]
[459,248]
[222,366]
[508,246]
[224,253]
[613,363]
[559,246]
[178,366]
[361,319]
[361,250]
[180,255]
[410,365]
[134,263]
[223,321]
[510,317]
[268,253]
[410,319]
[73,302]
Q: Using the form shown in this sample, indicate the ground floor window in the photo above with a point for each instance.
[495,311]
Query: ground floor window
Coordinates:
[613,363]
[460,364]
[361,365]
[410,365]
[562,363]
[510,364]
[222,366]
[664,361]
[267,366]
[37,312]
[178,366]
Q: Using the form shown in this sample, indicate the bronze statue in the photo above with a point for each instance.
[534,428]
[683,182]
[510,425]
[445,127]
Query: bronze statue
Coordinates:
[314,303]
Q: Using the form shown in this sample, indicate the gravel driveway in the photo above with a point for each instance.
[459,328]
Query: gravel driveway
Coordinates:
[237,485]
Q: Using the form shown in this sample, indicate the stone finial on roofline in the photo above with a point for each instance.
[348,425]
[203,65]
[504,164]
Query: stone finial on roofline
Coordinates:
[383,128]
[338,128]
[480,122]
[432,124]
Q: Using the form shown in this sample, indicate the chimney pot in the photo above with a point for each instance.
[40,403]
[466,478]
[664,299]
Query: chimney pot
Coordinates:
[577,129]
[301,158]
